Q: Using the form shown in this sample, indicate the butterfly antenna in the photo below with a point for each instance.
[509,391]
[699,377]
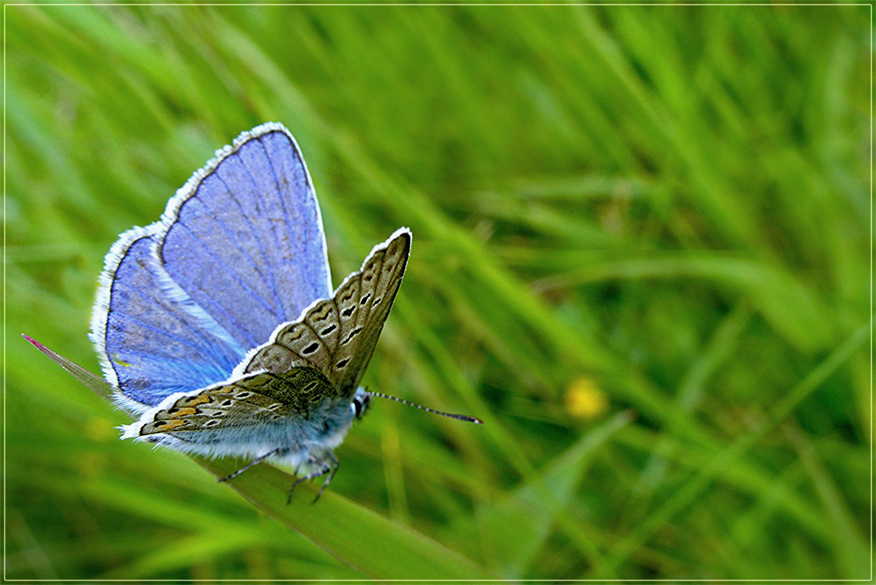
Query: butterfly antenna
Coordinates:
[470,419]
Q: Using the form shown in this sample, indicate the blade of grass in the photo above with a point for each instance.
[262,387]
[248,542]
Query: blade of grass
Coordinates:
[354,535]
[849,544]
[687,494]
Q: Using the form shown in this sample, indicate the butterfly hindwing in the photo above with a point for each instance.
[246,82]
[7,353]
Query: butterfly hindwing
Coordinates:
[248,402]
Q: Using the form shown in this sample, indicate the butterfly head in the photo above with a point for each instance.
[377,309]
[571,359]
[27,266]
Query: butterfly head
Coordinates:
[361,399]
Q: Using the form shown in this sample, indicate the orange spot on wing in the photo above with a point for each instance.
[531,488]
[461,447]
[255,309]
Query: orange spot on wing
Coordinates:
[181,412]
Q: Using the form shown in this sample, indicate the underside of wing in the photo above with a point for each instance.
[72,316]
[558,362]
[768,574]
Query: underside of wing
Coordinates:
[337,336]
[249,402]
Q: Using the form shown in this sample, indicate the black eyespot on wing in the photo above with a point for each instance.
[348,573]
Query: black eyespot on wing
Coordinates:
[343,363]
[353,333]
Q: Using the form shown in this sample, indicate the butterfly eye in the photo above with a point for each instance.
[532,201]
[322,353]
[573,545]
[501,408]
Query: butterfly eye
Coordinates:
[360,404]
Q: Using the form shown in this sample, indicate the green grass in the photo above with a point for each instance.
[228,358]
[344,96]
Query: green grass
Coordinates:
[666,208]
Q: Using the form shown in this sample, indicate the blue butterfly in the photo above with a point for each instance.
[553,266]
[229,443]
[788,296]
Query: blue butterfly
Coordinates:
[217,325]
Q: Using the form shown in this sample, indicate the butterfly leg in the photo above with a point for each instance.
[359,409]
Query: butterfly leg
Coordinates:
[256,461]
[329,468]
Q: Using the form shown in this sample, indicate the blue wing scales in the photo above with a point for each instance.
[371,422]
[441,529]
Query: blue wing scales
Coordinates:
[248,245]
[239,249]
[153,340]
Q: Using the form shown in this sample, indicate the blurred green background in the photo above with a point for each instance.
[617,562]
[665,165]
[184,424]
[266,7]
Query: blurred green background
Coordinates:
[641,255]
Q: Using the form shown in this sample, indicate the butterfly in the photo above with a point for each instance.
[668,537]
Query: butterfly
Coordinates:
[217,325]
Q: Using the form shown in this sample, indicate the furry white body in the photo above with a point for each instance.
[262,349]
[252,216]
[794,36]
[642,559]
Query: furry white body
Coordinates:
[296,442]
